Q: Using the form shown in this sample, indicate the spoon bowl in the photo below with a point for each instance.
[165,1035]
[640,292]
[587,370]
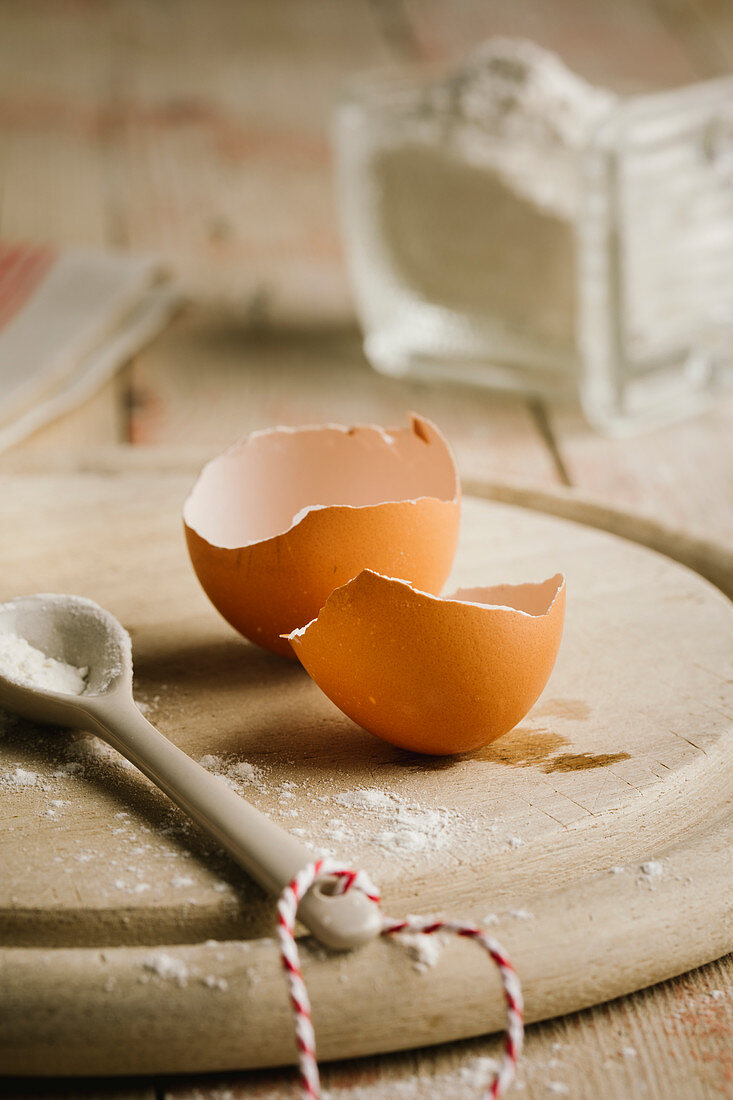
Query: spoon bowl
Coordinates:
[71,629]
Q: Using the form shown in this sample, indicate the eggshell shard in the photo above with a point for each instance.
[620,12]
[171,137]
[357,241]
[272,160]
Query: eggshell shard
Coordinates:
[277,522]
[434,675]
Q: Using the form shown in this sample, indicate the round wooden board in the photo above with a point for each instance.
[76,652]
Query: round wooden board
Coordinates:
[129,944]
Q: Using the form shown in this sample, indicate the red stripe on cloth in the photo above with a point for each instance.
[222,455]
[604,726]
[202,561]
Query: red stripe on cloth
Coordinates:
[22,269]
[9,253]
[12,260]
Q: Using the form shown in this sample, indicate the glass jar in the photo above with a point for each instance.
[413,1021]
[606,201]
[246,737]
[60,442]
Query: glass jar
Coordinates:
[587,258]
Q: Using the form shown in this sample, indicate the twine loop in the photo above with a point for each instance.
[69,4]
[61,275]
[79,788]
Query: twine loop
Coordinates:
[346,879]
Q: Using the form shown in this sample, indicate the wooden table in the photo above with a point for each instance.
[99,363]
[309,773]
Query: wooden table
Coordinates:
[198,131]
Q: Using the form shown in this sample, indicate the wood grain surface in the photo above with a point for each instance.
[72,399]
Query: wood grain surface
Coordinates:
[203,137]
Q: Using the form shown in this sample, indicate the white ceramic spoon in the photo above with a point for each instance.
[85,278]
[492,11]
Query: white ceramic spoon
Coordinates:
[79,632]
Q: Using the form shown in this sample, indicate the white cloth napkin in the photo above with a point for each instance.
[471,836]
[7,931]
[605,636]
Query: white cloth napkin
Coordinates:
[68,320]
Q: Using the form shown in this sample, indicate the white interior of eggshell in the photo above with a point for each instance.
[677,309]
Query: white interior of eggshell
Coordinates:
[533,599]
[268,482]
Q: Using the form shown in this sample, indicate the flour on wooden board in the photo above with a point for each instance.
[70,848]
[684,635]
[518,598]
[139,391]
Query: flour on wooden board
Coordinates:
[167,966]
[409,830]
[163,965]
[355,823]
[424,950]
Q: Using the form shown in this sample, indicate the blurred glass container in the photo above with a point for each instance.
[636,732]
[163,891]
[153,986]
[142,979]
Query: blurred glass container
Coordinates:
[510,225]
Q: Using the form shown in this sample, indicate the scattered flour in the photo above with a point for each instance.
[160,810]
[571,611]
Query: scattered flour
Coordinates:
[147,705]
[515,914]
[212,982]
[425,950]
[211,763]
[244,771]
[478,1072]
[73,767]
[407,828]
[356,821]
[19,778]
[233,771]
[24,664]
[90,750]
[652,868]
[377,818]
[167,967]
[367,798]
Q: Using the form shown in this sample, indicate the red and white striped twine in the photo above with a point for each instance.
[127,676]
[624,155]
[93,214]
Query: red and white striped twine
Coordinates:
[287,908]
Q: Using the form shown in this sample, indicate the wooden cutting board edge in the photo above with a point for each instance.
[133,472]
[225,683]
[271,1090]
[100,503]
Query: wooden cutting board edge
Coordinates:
[709,559]
[193,1028]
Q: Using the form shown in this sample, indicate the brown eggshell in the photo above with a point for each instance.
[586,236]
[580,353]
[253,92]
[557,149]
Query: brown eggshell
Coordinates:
[429,674]
[285,516]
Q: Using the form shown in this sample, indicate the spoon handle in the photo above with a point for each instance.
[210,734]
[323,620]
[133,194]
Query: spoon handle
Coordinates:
[266,851]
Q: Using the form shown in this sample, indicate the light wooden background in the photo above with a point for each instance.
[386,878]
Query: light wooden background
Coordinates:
[198,131]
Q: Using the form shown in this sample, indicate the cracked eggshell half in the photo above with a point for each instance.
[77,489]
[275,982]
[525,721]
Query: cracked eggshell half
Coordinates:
[434,675]
[286,515]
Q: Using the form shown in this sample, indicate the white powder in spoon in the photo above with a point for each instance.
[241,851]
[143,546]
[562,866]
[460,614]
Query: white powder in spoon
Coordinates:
[24,664]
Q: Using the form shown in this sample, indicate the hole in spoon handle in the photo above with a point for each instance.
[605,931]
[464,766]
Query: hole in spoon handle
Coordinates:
[340,921]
